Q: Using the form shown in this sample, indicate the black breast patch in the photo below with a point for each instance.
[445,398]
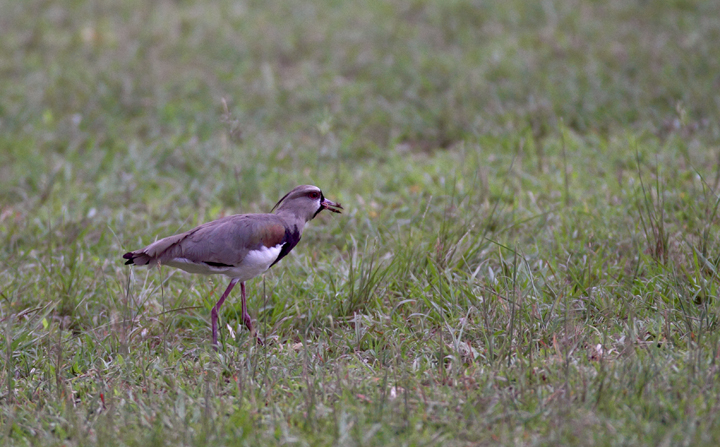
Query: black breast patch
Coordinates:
[292,237]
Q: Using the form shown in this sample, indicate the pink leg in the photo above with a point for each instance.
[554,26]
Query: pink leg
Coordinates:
[246,315]
[216,309]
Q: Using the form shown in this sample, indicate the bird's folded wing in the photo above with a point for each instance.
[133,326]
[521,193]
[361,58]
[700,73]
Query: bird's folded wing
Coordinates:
[224,242]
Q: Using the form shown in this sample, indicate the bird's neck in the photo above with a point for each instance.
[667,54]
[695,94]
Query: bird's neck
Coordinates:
[292,220]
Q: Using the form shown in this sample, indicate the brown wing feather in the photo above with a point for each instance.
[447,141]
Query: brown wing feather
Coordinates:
[223,241]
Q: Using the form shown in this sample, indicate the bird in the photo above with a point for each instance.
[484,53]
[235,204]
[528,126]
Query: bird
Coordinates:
[241,246]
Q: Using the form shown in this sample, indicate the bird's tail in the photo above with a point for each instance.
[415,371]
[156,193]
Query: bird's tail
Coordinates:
[136,258]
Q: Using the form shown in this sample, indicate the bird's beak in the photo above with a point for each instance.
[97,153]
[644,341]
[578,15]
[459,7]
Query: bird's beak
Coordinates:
[331,206]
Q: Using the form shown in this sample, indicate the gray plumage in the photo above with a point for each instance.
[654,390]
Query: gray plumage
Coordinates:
[214,246]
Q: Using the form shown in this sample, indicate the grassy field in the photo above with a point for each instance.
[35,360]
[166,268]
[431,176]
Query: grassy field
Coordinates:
[529,254]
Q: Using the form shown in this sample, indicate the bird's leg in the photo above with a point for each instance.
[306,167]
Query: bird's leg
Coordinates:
[216,309]
[246,315]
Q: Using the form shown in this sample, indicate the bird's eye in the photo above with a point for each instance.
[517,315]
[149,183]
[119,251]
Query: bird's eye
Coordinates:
[314,195]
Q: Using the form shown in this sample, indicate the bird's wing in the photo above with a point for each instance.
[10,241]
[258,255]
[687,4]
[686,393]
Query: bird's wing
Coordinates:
[223,242]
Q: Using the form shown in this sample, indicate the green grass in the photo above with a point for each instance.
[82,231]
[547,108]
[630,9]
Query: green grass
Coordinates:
[529,253]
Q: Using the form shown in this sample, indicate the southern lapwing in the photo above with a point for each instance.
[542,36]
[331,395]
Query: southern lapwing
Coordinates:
[240,247]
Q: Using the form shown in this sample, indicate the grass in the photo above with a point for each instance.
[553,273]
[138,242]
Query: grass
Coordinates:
[529,254]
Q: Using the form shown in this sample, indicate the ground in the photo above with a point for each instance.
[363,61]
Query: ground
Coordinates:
[529,253]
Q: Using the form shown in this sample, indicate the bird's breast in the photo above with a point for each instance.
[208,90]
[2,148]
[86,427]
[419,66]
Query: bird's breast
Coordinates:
[255,263]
